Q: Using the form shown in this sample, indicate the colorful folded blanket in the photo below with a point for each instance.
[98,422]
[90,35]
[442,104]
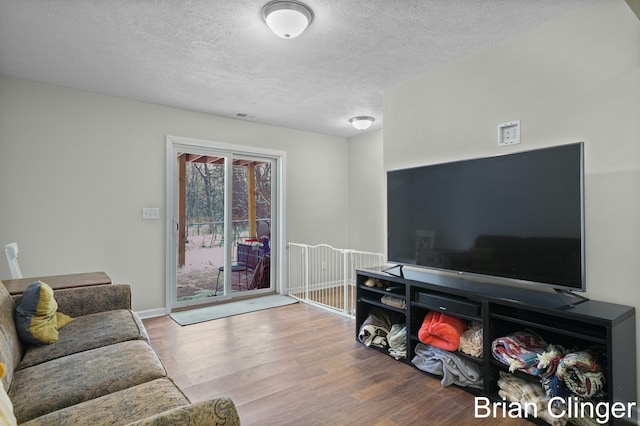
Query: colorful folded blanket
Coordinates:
[453,368]
[519,351]
[556,387]
[581,374]
[548,361]
[442,331]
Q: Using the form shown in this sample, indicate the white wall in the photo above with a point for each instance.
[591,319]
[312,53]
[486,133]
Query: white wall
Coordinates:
[76,168]
[575,79]
[367,193]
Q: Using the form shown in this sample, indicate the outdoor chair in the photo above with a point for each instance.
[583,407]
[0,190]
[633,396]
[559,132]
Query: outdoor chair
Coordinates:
[246,263]
[251,261]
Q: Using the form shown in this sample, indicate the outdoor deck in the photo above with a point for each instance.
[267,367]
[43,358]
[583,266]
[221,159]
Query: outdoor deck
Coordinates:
[197,278]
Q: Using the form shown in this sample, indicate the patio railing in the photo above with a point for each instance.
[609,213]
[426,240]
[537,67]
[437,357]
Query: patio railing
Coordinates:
[214,231]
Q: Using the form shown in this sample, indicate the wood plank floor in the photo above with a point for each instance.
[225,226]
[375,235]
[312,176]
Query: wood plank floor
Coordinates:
[300,365]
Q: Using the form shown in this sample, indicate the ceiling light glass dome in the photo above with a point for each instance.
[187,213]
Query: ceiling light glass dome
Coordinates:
[287,19]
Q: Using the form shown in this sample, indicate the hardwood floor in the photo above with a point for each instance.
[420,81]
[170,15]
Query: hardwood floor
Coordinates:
[300,365]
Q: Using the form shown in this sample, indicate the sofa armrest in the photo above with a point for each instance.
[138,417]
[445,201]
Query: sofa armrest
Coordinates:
[80,301]
[218,411]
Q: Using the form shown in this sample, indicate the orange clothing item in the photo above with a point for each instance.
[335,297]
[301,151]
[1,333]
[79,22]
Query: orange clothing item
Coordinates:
[441,331]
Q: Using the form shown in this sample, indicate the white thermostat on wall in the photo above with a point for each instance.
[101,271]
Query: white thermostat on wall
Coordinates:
[509,133]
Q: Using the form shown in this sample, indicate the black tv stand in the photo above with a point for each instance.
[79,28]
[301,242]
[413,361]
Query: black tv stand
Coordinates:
[560,318]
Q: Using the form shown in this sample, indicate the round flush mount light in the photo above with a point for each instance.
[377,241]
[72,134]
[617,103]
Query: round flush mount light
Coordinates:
[361,123]
[287,19]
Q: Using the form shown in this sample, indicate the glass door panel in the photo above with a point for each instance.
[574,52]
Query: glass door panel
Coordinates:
[252,211]
[201,206]
[223,246]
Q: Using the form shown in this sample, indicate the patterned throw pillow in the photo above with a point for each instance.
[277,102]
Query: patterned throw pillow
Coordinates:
[37,319]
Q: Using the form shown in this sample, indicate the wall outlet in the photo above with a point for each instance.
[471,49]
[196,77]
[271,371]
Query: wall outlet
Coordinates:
[509,133]
[151,213]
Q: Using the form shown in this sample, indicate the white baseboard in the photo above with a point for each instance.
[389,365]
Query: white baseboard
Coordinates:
[152,313]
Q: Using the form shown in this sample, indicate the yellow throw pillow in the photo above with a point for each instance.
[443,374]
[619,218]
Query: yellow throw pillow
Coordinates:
[7,418]
[37,319]
[62,320]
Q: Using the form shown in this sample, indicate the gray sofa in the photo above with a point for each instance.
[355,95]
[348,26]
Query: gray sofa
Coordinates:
[102,370]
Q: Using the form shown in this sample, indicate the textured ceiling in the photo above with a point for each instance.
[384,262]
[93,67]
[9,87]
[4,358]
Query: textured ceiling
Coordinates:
[218,56]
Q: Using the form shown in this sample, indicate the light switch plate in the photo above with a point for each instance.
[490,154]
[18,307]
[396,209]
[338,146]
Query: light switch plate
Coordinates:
[509,133]
[151,213]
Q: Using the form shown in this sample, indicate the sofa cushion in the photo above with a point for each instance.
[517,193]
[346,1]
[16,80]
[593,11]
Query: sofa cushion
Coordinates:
[105,328]
[128,405]
[218,411]
[10,345]
[82,301]
[82,376]
[37,319]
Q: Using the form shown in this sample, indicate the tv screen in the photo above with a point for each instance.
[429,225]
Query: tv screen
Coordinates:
[517,216]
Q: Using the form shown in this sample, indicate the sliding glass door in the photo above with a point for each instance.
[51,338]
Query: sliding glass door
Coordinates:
[223,240]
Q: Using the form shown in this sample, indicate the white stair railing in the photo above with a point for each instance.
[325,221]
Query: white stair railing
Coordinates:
[324,276]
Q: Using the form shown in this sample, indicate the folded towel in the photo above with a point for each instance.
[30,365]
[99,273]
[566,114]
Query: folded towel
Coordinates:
[519,351]
[522,390]
[453,368]
[442,331]
[397,302]
[471,340]
[376,327]
[529,394]
[397,339]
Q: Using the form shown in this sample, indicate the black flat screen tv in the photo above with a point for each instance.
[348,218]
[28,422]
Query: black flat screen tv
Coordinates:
[516,217]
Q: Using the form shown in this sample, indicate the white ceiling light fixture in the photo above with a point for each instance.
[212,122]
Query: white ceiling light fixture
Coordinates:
[287,19]
[361,123]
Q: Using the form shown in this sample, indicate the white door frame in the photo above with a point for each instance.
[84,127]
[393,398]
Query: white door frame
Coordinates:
[176,144]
